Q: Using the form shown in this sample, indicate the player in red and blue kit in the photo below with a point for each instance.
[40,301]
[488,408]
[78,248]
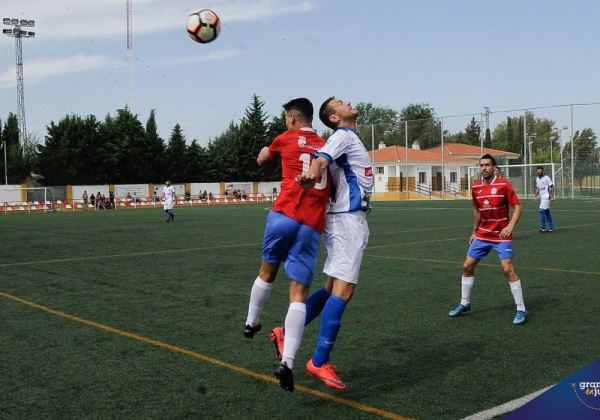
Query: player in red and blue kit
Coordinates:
[292,232]
[492,198]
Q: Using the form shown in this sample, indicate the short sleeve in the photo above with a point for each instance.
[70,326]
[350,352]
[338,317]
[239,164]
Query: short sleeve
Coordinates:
[473,199]
[513,199]
[276,146]
[336,146]
[549,181]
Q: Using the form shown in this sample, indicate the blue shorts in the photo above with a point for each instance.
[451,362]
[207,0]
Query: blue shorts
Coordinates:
[480,249]
[292,242]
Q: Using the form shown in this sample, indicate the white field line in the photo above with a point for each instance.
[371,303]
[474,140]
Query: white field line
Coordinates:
[506,407]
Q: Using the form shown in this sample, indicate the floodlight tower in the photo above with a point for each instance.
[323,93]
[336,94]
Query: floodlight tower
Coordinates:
[18,34]
[129,58]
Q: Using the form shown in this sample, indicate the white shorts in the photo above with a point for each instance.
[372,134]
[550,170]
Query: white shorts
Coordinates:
[168,205]
[544,203]
[346,237]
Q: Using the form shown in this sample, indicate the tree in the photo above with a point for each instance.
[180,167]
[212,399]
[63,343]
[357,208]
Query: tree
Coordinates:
[1,153]
[195,163]
[584,147]
[473,132]
[422,125]
[176,155]
[252,138]
[459,137]
[18,160]
[487,141]
[223,155]
[155,148]
[378,124]
[370,114]
[128,132]
[272,172]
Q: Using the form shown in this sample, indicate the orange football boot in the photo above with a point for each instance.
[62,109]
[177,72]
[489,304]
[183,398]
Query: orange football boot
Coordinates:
[325,374]
[276,338]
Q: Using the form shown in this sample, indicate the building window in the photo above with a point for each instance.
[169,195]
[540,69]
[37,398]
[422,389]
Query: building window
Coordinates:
[453,177]
[422,177]
[379,170]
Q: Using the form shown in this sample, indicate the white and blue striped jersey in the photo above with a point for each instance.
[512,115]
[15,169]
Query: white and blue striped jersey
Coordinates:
[351,172]
[543,185]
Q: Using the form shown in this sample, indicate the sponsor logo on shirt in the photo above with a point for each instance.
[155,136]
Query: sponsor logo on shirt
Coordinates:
[369,171]
[486,203]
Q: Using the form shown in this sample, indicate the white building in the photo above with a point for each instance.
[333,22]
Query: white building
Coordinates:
[428,172]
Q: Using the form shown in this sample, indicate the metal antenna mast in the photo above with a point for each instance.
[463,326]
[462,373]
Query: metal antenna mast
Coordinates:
[129,58]
[17,33]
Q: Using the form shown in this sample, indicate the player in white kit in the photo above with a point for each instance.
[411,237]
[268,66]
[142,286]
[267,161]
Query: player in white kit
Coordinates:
[346,230]
[169,196]
[545,189]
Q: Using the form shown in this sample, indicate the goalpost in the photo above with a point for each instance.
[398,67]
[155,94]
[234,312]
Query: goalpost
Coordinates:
[36,199]
[522,177]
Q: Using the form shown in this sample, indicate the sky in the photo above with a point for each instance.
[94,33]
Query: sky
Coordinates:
[458,56]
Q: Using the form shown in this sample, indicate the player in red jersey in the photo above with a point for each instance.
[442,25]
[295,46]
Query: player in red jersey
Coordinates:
[292,233]
[492,229]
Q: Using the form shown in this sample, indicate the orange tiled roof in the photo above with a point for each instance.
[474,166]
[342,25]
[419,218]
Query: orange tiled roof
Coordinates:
[454,153]
[467,150]
[401,154]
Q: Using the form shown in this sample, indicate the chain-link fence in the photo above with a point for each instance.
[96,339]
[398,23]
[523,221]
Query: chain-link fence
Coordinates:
[430,158]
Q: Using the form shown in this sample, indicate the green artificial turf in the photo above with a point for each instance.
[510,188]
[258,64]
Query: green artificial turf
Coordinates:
[187,283]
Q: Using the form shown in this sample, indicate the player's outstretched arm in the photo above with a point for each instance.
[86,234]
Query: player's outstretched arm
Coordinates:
[264,156]
[317,167]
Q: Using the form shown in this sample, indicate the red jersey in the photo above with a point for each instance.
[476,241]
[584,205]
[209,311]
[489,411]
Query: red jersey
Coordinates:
[493,202]
[296,150]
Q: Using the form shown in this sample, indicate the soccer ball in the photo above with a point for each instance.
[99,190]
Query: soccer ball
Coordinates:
[203,26]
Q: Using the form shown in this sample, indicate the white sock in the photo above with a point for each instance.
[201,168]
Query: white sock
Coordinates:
[261,290]
[294,328]
[466,286]
[515,288]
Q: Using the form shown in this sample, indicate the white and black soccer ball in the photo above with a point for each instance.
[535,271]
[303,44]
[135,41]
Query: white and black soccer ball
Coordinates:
[203,26]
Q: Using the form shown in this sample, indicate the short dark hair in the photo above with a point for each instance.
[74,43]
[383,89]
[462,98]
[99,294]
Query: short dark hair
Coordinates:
[325,112]
[490,157]
[539,167]
[301,105]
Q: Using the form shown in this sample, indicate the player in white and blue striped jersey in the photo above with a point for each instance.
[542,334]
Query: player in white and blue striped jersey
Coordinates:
[346,230]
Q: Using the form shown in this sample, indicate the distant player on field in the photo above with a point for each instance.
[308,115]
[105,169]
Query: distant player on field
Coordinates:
[292,233]
[346,231]
[169,197]
[545,189]
[492,229]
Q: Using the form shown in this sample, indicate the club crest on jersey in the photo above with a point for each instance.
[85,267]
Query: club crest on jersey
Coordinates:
[369,171]
[301,141]
[494,190]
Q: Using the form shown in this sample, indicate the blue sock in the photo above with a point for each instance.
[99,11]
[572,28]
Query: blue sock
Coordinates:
[331,321]
[549,218]
[542,214]
[314,305]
